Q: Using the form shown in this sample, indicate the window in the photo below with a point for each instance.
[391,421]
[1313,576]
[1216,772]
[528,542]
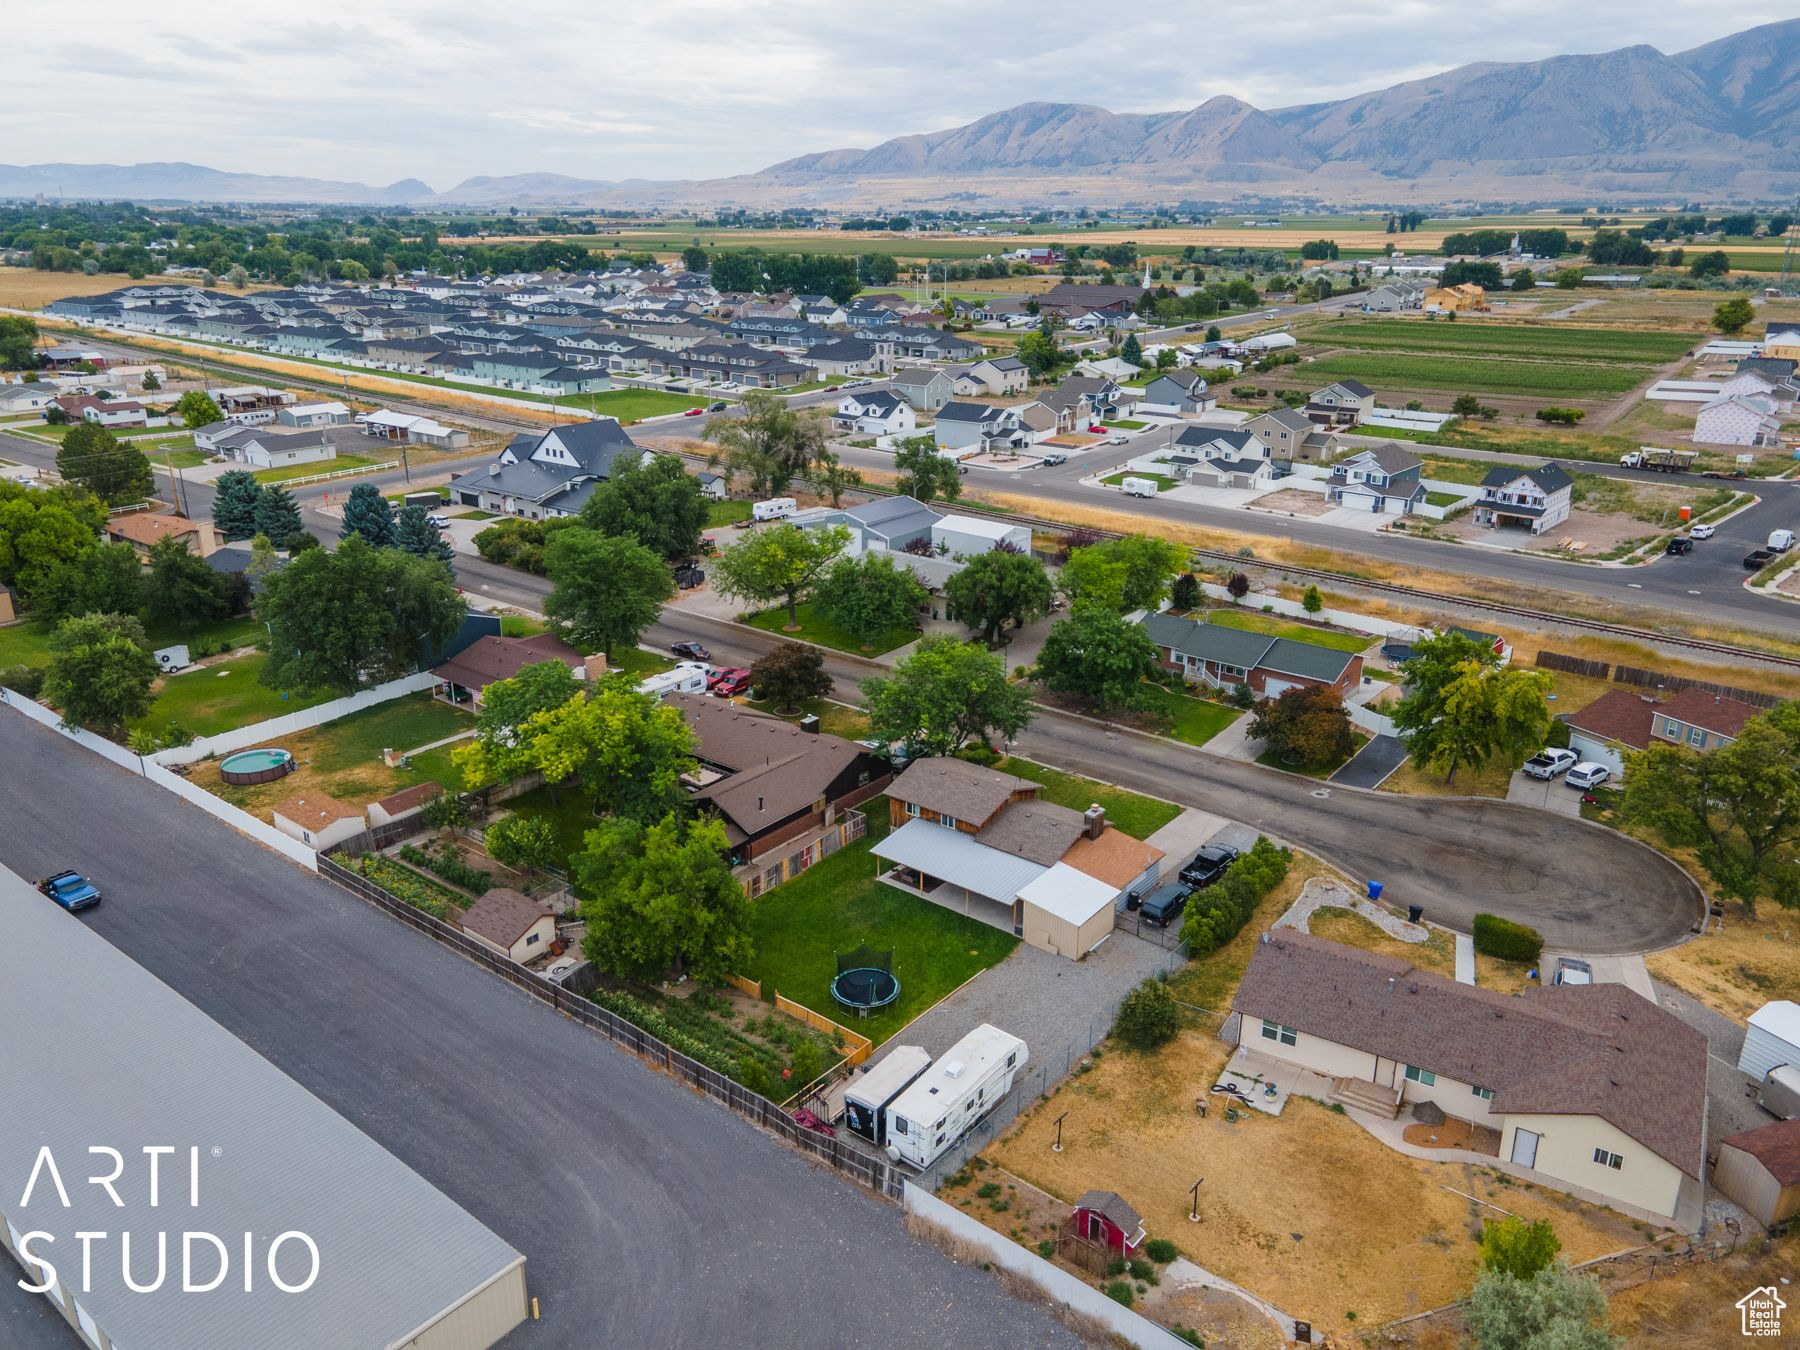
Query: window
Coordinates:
[948,822]
[899,1124]
[1607,1159]
[1696,737]
[912,809]
[1486,1094]
[1423,1077]
[1274,1031]
[1671,728]
[531,938]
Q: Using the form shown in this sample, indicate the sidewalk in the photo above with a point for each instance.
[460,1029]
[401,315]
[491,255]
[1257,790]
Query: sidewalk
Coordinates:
[1234,742]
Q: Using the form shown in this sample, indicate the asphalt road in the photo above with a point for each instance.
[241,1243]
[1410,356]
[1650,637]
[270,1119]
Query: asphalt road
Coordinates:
[649,1216]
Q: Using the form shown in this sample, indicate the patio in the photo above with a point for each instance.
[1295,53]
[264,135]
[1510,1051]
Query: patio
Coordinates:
[951,896]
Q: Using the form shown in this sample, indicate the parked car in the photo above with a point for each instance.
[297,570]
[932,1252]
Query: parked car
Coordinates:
[1588,774]
[1164,904]
[1548,763]
[1572,970]
[1120,439]
[729,683]
[1208,865]
[832,388]
[442,522]
[1702,532]
[717,405]
[71,890]
[694,412]
[1679,545]
[1095,429]
[693,651]
[1758,559]
[1056,457]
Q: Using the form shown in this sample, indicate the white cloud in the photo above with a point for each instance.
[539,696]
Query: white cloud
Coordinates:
[445,89]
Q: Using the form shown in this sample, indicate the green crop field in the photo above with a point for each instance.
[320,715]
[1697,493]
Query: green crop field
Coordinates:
[1478,338]
[1477,375]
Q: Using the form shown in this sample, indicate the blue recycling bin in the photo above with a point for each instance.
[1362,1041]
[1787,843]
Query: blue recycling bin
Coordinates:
[1374,890]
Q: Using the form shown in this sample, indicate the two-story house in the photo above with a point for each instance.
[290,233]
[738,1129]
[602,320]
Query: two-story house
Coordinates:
[1293,437]
[552,474]
[1178,391]
[1383,479]
[993,377]
[1524,499]
[1226,457]
[1342,404]
[1738,419]
[875,413]
[973,428]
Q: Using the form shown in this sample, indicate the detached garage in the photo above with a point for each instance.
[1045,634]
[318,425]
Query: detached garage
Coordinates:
[1773,1039]
[1760,1170]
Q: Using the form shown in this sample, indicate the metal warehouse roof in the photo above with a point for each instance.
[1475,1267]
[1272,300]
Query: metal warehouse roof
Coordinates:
[961,859]
[98,1052]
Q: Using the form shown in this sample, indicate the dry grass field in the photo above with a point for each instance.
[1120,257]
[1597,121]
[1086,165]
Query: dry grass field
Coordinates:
[1739,965]
[1436,954]
[28,288]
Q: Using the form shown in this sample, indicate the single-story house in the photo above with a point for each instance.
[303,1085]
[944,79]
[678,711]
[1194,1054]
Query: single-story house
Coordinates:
[1524,499]
[1105,1218]
[983,842]
[878,412]
[1384,478]
[1626,719]
[1760,1170]
[274,449]
[118,412]
[141,529]
[884,523]
[1224,658]
[403,805]
[23,398]
[317,820]
[510,923]
[313,415]
[1588,1086]
[490,659]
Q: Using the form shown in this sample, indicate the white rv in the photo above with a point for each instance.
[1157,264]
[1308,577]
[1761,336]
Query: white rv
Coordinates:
[776,508]
[952,1096]
[866,1099]
[689,677]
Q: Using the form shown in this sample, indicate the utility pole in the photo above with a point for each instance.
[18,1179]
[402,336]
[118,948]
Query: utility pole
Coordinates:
[175,488]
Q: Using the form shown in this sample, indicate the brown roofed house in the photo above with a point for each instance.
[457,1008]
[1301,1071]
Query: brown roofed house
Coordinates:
[317,820]
[1760,1170]
[141,529]
[511,923]
[1626,719]
[404,804]
[491,659]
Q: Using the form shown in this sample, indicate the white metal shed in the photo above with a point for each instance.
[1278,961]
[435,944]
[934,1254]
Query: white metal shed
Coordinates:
[1773,1039]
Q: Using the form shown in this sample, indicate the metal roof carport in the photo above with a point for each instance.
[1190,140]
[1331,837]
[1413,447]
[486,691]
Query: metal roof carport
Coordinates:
[99,1053]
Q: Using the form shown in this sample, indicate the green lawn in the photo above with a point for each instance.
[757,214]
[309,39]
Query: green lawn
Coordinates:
[28,643]
[1443,498]
[1126,424]
[1163,481]
[836,905]
[815,627]
[835,719]
[1193,720]
[184,459]
[1255,621]
[1139,816]
[1589,344]
[1269,761]
[1470,471]
[337,465]
[25,644]
[476,515]
[1478,375]
[211,699]
[726,513]
[633,405]
[417,719]
[571,815]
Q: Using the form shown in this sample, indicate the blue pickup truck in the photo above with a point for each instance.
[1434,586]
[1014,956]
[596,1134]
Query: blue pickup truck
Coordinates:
[71,890]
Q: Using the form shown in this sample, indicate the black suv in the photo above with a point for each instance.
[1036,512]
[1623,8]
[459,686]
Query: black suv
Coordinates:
[1678,545]
[1163,905]
[1208,866]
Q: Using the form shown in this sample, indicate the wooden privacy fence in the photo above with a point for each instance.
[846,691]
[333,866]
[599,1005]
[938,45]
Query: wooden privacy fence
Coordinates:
[1572,665]
[873,1172]
[1674,684]
[750,987]
[856,1048]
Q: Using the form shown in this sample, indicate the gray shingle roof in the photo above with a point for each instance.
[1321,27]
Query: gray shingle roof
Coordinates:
[1550,477]
[957,788]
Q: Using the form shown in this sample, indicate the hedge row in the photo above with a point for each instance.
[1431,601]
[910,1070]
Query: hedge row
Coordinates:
[1215,915]
[1507,941]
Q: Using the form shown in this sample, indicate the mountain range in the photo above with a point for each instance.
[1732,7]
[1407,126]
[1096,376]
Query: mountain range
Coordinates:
[1719,122]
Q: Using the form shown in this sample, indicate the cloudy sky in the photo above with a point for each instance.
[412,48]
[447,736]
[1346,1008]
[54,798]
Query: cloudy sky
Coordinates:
[378,90]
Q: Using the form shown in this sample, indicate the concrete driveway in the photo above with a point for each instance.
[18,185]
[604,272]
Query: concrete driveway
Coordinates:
[1546,794]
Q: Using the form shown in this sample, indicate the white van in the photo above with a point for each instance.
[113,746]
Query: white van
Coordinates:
[689,677]
[776,508]
[1138,487]
[1781,540]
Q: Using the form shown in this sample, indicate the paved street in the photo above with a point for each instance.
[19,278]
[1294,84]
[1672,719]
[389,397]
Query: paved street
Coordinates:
[649,1216]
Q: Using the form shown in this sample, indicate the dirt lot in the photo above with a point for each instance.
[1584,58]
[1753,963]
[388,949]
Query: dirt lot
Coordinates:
[1379,1235]
[1454,1133]
[1596,532]
[1436,954]
[1738,966]
[1294,502]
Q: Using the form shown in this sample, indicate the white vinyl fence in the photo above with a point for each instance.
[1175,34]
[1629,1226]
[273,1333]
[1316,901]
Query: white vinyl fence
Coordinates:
[263,733]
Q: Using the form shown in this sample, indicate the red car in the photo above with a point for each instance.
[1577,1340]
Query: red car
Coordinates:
[1096,431]
[831,388]
[693,412]
[729,683]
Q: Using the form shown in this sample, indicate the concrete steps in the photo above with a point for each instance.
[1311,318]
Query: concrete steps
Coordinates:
[1366,1096]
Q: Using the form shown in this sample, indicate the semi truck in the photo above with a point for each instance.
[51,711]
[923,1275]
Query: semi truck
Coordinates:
[1662,461]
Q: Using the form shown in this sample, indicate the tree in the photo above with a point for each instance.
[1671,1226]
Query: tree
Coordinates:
[1484,274]
[1517,1248]
[662,899]
[237,278]
[1096,654]
[521,841]
[1212,332]
[1166,359]
[1307,727]
[366,512]
[1556,1309]
[779,562]
[1122,574]
[100,672]
[97,461]
[1185,592]
[1737,805]
[788,674]
[1237,586]
[1714,264]
[657,504]
[235,495]
[1148,1016]
[1040,353]
[1523,280]
[197,409]
[833,477]
[768,442]
[40,529]
[181,590]
[1466,405]
[1734,315]
[944,695]
[415,534]
[356,617]
[1461,709]
[1132,350]
[607,588]
[18,342]
[101,579]
[924,473]
[870,596]
[502,748]
[997,588]
[693,258]
[1311,601]
[629,751]
[278,516]
[150,384]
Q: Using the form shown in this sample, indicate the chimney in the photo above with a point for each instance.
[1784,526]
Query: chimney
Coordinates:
[594,667]
[1093,821]
[1393,982]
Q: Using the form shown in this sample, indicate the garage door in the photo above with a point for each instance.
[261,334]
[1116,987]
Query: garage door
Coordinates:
[1276,688]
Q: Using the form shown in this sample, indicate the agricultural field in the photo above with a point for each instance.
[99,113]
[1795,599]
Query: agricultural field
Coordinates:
[1495,339]
[1477,375]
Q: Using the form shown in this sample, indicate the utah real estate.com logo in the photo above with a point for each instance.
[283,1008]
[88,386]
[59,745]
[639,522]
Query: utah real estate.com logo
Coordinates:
[1761,1309]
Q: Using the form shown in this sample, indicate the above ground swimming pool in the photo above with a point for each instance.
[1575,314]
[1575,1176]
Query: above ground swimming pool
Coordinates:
[255,766]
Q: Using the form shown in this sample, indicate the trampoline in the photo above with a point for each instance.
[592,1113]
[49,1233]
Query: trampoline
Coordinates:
[865,980]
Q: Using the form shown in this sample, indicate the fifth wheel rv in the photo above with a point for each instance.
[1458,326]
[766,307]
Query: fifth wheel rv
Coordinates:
[950,1098]
[866,1100]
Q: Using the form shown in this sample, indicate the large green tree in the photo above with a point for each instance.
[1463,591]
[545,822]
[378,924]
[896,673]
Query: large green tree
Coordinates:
[1733,315]
[235,495]
[788,674]
[925,474]
[40,529]
[778,562]
[278,516]
[97,461]
[945,694]
[182,590]
[356,617]
[766,442]
[415,534]
[503,746]
[1097,655]
[657,504]
[870,596]
[197,409]
[1458,714]
[999,588]
[607,588]
[629,751]
[366,512]
[1122,574]
[104,579]
[18,342]
[100,672]
[661,899]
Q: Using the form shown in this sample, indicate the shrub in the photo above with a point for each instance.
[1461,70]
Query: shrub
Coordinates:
[1116,1266]
[445,811]
[1185,593]
[1047,1248]
[1566,417]
[26,680]
[1143,1270]
[1148,1017]
[448,866]
[755,1075]
[1119,1291]
[1506,940]
[808,1062]
[1517,1248]
[1217,914]
[1312,602]
[987,1190]
[1238,587]
[1161,1250]
[521,841]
